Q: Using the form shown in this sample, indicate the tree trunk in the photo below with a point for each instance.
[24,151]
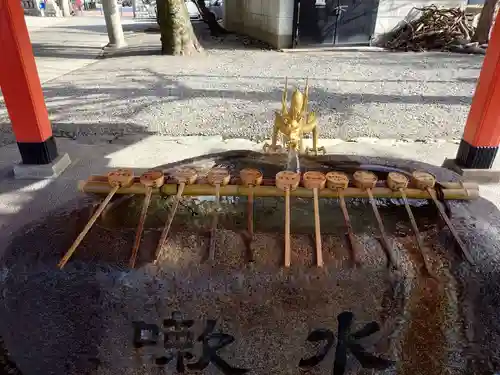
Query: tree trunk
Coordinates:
[113,24]
[177,35]
[482,34]
[214,26]
[66,8]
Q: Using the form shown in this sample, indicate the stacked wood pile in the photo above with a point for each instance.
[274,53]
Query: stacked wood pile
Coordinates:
[435,29]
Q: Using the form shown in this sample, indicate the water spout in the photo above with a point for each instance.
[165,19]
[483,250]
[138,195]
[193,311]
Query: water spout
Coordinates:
[293,162]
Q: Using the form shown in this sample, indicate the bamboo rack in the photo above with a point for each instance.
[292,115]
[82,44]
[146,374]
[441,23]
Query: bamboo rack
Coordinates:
[315,185]
[450,190]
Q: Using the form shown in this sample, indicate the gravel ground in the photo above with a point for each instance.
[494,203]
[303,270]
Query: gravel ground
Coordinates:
[233,90]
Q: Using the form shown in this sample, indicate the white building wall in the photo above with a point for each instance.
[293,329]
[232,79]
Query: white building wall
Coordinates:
[267,20]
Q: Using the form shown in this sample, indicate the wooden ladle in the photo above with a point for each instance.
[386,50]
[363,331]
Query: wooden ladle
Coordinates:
[287,181]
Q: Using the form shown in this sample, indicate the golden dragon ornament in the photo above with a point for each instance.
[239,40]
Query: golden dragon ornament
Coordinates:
[292,123]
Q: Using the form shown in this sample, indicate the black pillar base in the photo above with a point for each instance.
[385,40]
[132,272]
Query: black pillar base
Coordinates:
[38,153]
[473,157]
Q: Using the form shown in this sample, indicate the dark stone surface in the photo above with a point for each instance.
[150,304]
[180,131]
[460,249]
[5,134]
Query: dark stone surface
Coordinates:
[53,321]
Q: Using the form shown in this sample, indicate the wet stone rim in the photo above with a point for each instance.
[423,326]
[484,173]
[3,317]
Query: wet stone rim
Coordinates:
[391,331]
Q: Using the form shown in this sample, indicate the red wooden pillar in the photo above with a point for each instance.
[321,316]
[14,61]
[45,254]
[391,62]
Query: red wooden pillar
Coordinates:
[481,138]
[21,88]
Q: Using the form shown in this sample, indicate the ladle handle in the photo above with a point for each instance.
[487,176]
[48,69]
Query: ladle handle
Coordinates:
[317,229]
[215,221]
[87,227]
[385,240]
[250,212]
[166,228]
[211,246]
[140,226]
[288,255]
[355,247]
[450,226]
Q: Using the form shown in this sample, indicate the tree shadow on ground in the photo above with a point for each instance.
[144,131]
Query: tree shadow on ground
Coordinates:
[145,40]
[153,89]
[66,51]
[137,26]
[87,49]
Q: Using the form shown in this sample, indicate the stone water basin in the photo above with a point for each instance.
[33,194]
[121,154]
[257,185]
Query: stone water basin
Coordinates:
[82,320]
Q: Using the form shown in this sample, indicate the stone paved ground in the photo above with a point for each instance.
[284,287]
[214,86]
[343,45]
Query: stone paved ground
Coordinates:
[232,91]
